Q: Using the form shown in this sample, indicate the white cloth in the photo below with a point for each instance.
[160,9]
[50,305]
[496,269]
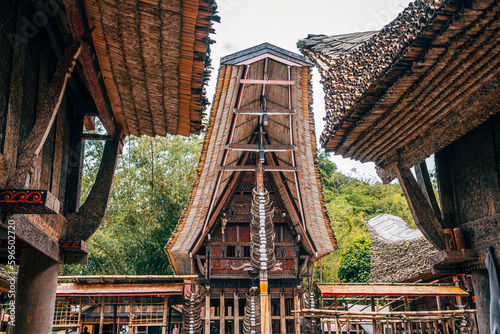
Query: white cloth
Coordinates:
[494,291]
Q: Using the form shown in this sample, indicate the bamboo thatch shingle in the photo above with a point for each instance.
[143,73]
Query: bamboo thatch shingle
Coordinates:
[153,58]
[398,253]
[409,90]
[212,186]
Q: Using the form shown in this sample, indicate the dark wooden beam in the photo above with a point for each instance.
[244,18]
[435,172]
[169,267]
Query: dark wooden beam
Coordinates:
[75,167]
[36,139]
[27,201]
[96,136]
[425,183]
[420,208]
[83,224]
[35,236]
[445,178]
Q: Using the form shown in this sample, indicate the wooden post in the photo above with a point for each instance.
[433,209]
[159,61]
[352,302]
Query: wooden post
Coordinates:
[164,320]
[36,293]
[374,322]
[222,317]
[424,215]
[282,313]
[482,292]
[207,311]
[296,307]
[101,319]
[114,318]
[236,313]
[131,316]
[169,326]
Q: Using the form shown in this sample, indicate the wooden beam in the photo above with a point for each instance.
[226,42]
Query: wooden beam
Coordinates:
[96,136]
[420,208]
[36,139]
[83,224]
[252,168]
[425,183]
[75,167]
[267,82]
[444,170]
[236,313]
[27,201]
[33,235]
[260,111]
[257,148]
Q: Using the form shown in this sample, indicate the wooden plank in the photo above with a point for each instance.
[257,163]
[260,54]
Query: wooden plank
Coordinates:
[84,223]
[252,168]
[260,111]
[257,148]
[222,317]
[389,290]
[75,164]
[27,201]
[420,208]
[12,122]
[40,131]
[424,181]
[267,82]
[207,311]
[444,172]
[236,313]
[95,136]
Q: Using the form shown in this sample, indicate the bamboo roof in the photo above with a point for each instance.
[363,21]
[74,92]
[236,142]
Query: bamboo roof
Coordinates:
[212,185]
[407,290]
[152,57]
[412,88]
[398,252]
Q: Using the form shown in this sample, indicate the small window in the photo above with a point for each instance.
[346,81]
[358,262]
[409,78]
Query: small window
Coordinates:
[231,251]
[246,251]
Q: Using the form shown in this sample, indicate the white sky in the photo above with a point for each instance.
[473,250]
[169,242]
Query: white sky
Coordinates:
[246,23]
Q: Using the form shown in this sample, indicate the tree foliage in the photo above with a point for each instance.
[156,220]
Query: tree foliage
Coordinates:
[350,201]
[150,189]
[355,261]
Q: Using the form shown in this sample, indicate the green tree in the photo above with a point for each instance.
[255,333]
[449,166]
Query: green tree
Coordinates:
[355,261]
[151,186]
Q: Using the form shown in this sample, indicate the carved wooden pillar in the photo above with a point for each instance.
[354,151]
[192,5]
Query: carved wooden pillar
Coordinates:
[36,293]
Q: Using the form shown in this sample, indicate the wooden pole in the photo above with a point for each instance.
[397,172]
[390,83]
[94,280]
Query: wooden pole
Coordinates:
[169,328]
[101,319]
[236,314]
[115,310]
[282,313]
[222,314]
[36,293]
[296,307]
[207,312]
[374,322]
[164,321]
[131,316]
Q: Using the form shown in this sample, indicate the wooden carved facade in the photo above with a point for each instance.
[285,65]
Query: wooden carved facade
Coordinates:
[256,219]
[62,65]
[427,83]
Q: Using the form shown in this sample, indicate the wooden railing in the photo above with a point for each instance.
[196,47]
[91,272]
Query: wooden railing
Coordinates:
[410,322]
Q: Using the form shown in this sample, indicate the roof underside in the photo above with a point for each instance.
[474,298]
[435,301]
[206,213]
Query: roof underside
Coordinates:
[212,188]
[152,58]
[424,80]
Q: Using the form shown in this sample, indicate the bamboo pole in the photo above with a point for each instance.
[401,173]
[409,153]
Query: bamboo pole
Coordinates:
[101,319]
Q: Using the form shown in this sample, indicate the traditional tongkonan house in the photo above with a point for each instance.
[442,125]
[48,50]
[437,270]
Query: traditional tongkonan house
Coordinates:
[256,221]
[137,66]
[427,83]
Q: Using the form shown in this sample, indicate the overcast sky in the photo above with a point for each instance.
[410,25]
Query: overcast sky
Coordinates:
[246,23]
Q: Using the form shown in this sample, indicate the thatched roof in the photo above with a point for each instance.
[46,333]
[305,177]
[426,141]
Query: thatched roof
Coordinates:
[152,58]
[212,185]
[398,252]
[409,90]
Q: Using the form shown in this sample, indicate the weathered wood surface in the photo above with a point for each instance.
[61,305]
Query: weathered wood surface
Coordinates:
[84,223]
[422,212]
[40,131]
